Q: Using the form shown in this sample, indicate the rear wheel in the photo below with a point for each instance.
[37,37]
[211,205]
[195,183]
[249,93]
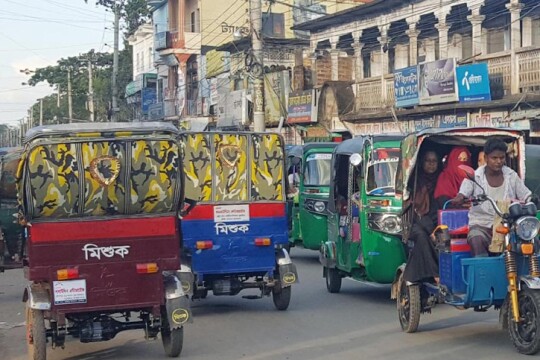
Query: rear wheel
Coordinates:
[333,280]
[408,305]
[35,334]
[282,297]
[525,335]
[173,340]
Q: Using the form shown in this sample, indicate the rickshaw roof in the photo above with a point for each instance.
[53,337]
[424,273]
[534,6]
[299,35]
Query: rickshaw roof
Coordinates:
[299,150]
[354,145]
[469,133]
[79,129]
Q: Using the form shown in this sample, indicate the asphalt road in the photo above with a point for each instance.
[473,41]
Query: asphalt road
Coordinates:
[358,323]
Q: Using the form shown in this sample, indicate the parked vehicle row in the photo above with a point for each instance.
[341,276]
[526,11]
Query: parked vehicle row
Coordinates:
[107,209]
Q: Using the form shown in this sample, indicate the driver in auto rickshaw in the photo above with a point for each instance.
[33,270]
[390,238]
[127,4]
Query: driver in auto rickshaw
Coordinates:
[496,180]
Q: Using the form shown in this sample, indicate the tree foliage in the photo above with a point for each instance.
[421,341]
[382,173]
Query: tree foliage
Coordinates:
[134,13]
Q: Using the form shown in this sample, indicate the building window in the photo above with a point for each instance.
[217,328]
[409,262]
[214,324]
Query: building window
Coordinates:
[192,19]
[192,82]
[138,63]
[496,41]
[536,32]
[273,25]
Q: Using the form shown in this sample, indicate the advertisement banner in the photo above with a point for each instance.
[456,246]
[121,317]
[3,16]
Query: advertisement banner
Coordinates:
[421,124]
[277,86]
[301,107]
[452,121]
[473,83]
[232,108]
[149,97]
[406,86]
[437,82]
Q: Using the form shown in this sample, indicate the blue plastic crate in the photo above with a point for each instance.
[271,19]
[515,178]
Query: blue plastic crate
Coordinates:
[454,219]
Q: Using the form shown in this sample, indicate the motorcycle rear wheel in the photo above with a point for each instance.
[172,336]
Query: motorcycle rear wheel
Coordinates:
[525,335]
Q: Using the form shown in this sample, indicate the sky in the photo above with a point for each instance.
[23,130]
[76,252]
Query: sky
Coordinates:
[37,33]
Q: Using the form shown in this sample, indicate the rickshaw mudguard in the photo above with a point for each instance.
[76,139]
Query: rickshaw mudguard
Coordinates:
[395,283]
[187,279]
[287,270]
[176,302]
[532,282]
[327,255]
[37,296]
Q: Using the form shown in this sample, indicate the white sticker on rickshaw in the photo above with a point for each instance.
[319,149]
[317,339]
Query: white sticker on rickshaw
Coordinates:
[69,292]
[230,213]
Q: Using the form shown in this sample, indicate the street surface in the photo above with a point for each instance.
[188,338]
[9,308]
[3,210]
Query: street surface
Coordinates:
[358,323]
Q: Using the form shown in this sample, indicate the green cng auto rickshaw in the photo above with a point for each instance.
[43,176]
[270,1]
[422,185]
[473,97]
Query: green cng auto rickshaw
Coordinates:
[364,222]
[309,175]
[11,240]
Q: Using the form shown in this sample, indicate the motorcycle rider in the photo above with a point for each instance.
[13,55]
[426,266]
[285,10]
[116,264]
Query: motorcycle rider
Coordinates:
[499,182]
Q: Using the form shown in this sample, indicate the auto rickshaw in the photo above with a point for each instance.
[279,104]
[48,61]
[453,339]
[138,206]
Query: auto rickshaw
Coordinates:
[509,280]
[364,226]
[310,169]
[235,237]
[11,239]
[99,205]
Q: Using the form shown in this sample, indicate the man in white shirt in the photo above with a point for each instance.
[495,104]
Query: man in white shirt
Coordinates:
[500,183]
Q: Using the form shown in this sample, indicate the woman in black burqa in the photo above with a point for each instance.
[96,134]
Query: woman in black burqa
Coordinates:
[423,262]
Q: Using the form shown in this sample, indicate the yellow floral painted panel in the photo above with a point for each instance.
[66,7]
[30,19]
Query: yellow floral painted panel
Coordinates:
[267,167]
[154,176]
[197,160]
[53,178]
[231,175]
[99,199]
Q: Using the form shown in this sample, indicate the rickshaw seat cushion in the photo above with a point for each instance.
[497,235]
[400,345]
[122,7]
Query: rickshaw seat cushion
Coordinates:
[454,219]
[462,231]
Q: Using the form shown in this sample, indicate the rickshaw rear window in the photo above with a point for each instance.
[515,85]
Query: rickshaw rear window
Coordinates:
[99,178]
[224,167]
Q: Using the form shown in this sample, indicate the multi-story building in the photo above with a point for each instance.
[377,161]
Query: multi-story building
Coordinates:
[141,92]
[378,40]
[187,32]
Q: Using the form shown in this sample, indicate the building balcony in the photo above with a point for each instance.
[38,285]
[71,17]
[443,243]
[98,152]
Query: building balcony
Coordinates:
[172,42]
[376,93]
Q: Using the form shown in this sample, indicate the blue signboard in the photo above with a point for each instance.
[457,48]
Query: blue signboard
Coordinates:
[473,83]
[148,97]
[453,120]
[406,86]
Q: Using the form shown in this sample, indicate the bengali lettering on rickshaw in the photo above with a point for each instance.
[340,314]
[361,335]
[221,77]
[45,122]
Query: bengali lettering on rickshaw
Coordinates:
[229,213]
[222,228]
[94,251]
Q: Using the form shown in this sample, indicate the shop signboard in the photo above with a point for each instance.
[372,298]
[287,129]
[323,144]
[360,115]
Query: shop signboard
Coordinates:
[437,82]
[473,83]
[406,86]
[452,120]
[302,107]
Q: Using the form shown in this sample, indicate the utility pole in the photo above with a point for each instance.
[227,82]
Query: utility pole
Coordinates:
[70,104]
[58,96]
[90,85]
[115,62]
[40,112]
[255,13]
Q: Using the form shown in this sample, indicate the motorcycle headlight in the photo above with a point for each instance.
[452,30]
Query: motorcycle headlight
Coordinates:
[388,223]
[527,227]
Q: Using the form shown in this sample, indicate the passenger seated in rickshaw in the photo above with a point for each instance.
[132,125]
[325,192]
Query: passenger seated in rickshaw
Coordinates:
[451,178]
[423,262]
[499,182]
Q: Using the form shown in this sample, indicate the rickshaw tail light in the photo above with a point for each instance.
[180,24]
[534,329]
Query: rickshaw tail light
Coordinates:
[66,274]
[527,249]
[502,230]
[204,245]
[148,268]
[263,242]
